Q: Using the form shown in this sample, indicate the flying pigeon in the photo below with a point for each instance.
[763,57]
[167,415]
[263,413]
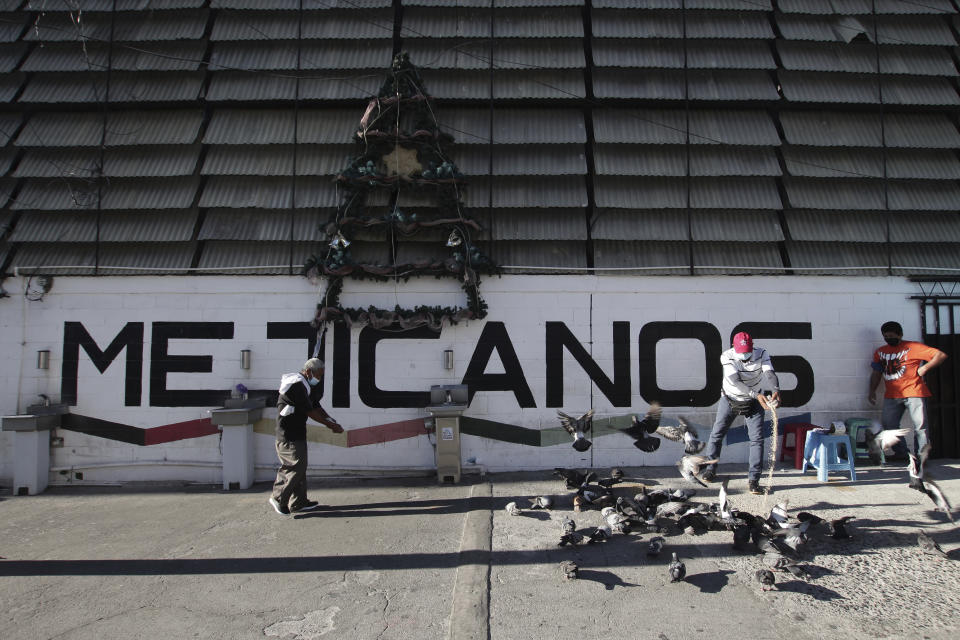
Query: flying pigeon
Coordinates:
[838,528]
[576,427]
[541,502]
[513,509]
[570,569]
[766,579]
[574,479]
[684,433]
[678,570]
[883,441]
[929,545]
[924,483]
[690,466]
[639,429]
[656,546]
[600,534]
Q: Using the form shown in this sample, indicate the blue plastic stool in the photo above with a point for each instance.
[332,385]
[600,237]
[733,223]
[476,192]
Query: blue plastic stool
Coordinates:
[820,452]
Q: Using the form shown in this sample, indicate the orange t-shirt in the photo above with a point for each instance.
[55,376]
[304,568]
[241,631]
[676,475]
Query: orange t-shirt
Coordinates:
[898,366]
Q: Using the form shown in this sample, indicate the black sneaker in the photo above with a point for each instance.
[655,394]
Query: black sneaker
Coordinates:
[754,487]
[309,505]
[279,508]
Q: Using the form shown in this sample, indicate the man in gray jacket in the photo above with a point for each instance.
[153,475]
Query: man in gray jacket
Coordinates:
[747,373]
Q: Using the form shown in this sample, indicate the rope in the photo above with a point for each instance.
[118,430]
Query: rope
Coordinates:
[773,457]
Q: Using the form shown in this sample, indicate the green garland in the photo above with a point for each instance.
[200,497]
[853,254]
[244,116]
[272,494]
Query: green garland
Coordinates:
[433,175]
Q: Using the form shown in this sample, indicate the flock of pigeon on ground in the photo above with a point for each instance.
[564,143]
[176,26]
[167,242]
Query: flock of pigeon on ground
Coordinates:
[779,536]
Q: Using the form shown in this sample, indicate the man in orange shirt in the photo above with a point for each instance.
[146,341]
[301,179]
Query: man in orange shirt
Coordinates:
[902,365]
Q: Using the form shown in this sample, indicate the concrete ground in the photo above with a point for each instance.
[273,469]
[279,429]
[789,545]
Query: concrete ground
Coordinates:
[409,559]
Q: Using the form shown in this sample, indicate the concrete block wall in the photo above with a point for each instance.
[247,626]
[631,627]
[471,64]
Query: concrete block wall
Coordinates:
[844,314]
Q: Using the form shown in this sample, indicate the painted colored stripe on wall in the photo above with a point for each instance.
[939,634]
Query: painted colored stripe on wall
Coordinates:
[136,435]
[180,431]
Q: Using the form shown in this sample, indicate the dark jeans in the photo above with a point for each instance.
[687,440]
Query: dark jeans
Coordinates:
[754,421]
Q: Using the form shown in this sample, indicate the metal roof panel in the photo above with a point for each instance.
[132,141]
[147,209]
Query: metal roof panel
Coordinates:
[734,193]
[919,91]
[13,25]
[924,195]
[729,54]
[147,226]
[555,22]
[253,126]
[731,85]
[78,258]
[733,258]
[633,53]
[10,55]
[835,258]
[913,259]
[836,226]
[920,130]
[78,226]
[640,84]
[636,160]
[854,57]
[130,162]
[540,53]
[816,162]
[928,164]
[160,257]
[148,26]
[10,84]
[267,192]
[532,253]
[735,226]
[276,160]
[639,224]
[94,56]
[248,86]
[640,193]
[654,258]
[258,257]
[834,194]
[805,86]
[723,24]
[740,127]
[922,227]
[521,160]
[620,23]
[527,191]
[552,224]
[864,6]
[264,225]
[831,128]
[131,194]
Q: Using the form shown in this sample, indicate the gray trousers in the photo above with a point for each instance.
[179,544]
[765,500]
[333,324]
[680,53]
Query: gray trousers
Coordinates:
[754,421]
[893,409]
[290,487]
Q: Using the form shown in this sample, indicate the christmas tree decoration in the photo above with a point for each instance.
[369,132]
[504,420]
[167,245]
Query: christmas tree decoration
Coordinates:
[403,152]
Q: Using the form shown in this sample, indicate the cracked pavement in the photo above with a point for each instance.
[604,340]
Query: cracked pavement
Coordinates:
[409,559]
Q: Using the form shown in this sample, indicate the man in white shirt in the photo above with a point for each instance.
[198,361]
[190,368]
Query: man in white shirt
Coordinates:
[747,373]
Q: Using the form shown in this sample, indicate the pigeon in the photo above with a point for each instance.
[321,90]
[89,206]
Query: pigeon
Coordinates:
[782,563]
[573,539]
[805,516]
[924,483]
[570,569]
[684,433]
[655,546]
[616,473]
[576,427]
[690,466]
[724,503]
[681,495]
[779,516]
[765,578]
[799,571]
[608,482]
[600,534]
[568,525]
[678,570]
[574,479]
[595,495]
[671,509]
[616,521]
[929,545]
[883,441]
[513,509]
[741,537]
[627,507]
[639,430]
[838,528]
[541,502]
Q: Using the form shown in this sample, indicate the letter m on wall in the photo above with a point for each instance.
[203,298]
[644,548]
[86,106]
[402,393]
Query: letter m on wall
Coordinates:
[76,336]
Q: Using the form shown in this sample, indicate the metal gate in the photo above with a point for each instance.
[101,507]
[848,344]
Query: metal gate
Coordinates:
[940,319]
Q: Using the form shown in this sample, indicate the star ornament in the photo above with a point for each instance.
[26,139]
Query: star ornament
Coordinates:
[402,162]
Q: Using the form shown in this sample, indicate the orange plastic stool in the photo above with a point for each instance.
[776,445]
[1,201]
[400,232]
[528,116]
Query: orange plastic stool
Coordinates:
[799,431]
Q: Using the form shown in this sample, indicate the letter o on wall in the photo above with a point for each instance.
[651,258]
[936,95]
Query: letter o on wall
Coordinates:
[654,332]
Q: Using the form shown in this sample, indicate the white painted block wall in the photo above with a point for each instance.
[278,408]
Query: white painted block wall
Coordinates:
[844,312]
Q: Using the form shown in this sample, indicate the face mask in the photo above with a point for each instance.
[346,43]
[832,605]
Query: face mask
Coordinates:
[745,356]
[892,341]
[314,381]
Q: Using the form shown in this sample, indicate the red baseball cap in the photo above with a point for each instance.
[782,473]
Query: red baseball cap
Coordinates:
[742,342]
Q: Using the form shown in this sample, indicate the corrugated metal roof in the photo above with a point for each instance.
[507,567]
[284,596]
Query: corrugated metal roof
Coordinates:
[834,194]
[837,226]
[736,226]
[267,192]
[80,226]
[647,85]
[256,126]
[455,53]
[831,128]
[446,22]
[522,160]
[7,157]
[138,259]
[531,253]
[924,195]
[614,23]
[513,3]
[124,87]
[864,6]
[920,130]
[317,25]
[549,84]
[925,30]
[921,226]
[710,24]
[470,125]
[921,30]
[921,61]
[671,161]
[57,195]
[125,162]
[9,123]
[736,5]
[832,258]
[733,161]
[921,91]
[734,193]
[147,226]
[337,54]
[10,55]
[256,55]
[138,27]
[745,127]
[108,5]
[805,86]
[729,54]
[150,193]
[326,126]
[926,164]
[250,25]
[640,193]
[45,254]
[227,254]
[734,258]
[827,56]
[294,5]
[65,87]
[10,84]
[276,160]
[250,86]
[531,126]
[639,224]
[833,163]
[555,22]
[94,56]
[264,225]
[671,257]
[527,191]
[924,259]
[555,224]
[731,85]
[629,52]
[12,26]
